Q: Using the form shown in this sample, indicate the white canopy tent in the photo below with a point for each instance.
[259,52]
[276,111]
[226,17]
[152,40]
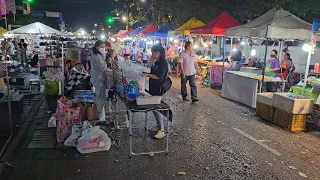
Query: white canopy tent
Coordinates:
[274,24]
[35,28]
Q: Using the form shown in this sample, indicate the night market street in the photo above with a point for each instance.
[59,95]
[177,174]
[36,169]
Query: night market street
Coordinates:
[212,139]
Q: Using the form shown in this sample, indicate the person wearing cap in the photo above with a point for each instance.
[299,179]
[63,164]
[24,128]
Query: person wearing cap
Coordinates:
[98,78]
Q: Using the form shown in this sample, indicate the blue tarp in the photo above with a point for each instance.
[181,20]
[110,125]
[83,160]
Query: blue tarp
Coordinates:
[162,31]
[135,31]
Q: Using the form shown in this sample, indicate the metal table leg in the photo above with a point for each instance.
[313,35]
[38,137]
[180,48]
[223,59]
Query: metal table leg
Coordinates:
[130,131]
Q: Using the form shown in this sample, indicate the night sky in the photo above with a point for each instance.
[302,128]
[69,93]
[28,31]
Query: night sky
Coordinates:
[78,13]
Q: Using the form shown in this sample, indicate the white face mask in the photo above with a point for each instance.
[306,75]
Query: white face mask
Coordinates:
[102,51]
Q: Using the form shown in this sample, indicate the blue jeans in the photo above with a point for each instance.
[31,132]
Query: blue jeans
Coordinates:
[159,119]
[193,86]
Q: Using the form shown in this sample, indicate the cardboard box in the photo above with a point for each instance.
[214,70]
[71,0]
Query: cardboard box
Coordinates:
[281,101]
[92,113]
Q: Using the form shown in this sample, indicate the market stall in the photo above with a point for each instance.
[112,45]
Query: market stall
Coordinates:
[184,30]
[275,24]
[217,27]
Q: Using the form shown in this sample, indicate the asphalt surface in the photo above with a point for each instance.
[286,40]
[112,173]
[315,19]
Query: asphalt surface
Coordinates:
[212,139]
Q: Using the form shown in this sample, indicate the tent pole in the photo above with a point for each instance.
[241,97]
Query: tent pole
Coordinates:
[231,46]
[306,73]
[212,47]
[62,69]
[223,48]
[264,65]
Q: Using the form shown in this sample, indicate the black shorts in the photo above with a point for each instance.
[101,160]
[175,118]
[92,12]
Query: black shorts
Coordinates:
[126,55]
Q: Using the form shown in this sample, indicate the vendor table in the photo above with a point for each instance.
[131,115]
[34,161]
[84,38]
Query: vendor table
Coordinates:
[133,108]
[242,89]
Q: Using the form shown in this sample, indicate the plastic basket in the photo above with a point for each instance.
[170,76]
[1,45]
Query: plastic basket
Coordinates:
[288,121]
[265,111]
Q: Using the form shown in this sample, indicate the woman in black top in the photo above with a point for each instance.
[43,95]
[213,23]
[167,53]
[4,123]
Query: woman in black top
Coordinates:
[158,74]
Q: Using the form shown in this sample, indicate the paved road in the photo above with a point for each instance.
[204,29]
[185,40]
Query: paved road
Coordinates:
[213,139]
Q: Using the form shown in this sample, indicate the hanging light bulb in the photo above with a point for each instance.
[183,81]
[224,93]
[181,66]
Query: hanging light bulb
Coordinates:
[253,52]
[157,41]
[243,43]
[195,46]
[171,39]
[234,49]
[176,41]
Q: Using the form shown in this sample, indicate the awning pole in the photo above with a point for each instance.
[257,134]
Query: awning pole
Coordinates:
[264,65]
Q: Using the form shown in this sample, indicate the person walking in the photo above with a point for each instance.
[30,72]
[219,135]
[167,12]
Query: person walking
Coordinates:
[158,74]
[98,77]
[189,69]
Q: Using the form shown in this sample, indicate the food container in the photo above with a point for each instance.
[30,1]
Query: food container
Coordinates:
[146,100]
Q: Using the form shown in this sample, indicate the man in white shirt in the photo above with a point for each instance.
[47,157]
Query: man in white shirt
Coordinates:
[189,69]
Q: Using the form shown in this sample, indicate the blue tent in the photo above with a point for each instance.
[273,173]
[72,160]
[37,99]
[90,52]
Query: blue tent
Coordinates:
[162,32]
[138,29]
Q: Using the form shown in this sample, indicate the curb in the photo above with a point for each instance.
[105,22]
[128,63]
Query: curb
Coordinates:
[14,143]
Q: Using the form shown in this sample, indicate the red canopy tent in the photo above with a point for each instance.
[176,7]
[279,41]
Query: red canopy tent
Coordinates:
[148,29]
[128,32]
[120,34]
[218,26]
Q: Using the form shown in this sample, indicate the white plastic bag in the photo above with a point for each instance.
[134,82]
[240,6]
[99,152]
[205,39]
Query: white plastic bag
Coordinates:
[52,121]
[94,139]
[76,133]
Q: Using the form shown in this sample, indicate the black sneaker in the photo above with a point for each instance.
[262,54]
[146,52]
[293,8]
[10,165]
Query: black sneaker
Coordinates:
[195,100]
[185,99]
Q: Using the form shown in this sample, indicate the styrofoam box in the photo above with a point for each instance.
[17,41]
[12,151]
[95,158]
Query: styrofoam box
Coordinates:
[294,106]
[145,100]
[264,98]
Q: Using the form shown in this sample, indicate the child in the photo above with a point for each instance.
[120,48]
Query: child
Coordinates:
[144,57]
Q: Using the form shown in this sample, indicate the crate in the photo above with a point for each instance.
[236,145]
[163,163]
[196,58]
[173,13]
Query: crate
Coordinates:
[265,111]
[289,121]
[293,106]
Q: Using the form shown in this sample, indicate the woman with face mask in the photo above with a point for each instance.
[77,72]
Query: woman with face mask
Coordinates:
[98,78]
[273,65]
[158,74]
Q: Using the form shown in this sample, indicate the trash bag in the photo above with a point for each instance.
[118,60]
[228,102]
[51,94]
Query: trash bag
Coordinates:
[93,140]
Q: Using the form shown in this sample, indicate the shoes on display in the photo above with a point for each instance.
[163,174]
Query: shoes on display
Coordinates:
[159,135]
[154,129]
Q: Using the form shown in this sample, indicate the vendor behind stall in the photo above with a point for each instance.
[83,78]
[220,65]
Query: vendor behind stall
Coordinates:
[98,79]
[159,72]
[273,65]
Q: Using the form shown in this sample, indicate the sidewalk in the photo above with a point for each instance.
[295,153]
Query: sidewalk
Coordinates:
[212,139]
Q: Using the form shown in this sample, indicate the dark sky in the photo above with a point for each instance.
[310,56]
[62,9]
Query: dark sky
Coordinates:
[78,13]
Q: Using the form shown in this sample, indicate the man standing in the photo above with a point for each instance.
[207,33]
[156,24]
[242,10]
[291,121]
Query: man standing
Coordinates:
[189,68]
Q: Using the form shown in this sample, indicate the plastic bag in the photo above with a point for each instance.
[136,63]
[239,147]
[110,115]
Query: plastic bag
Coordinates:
[94,138]
[52,121]
[76,133]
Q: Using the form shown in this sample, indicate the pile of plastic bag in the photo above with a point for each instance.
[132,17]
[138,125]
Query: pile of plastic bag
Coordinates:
[88,139]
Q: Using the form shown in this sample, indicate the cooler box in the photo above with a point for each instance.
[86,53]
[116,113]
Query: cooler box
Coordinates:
[292,103]
[264,108]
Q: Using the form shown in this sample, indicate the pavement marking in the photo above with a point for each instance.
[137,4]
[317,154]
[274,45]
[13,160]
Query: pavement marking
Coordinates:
[273,151]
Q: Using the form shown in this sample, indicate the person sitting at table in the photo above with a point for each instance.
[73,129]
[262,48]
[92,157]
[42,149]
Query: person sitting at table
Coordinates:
[273,65]
[236,58]
[159,72]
